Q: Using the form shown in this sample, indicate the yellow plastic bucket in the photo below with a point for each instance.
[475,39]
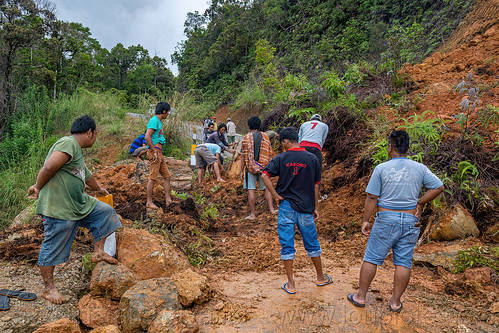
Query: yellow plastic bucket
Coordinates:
[106,199]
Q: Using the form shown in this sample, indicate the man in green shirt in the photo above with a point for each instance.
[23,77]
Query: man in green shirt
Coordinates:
[155,142]
[64,205]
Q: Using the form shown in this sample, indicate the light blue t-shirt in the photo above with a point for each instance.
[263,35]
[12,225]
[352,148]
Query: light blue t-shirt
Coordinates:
[157,136]
[399,181]
[213,148]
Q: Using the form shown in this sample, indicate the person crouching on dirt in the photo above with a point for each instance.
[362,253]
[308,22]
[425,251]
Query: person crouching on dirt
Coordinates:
[312,136]
[209,153]
[298,190]
[155,141]
[394,187]
[255,155]
[64,205]
[138,147]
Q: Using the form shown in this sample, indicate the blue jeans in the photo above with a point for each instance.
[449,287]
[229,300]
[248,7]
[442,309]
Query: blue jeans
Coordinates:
[58,235]
[396,231]
[286,221]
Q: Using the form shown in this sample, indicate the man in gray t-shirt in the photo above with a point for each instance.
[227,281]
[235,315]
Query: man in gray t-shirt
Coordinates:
[394,188]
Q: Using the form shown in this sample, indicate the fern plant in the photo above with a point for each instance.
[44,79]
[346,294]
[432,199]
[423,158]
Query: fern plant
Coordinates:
[425,134]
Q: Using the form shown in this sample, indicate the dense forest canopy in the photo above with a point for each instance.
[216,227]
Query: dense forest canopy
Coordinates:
[309,37]
[38,49]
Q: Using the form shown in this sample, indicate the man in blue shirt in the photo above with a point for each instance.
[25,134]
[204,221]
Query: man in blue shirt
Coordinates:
[155,141]
[138,147]
[209,153]
[394,187]
[298,191]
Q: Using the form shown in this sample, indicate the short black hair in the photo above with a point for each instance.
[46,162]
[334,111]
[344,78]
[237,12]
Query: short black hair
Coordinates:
[83,124]
[211,124]
[254,123]
[399,140]
[162,106]
[220,127]
[278,130]
[289,133]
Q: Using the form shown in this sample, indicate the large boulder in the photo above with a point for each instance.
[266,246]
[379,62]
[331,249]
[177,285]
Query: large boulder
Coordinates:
[111,281]
[140,304]
[106,329]
[441,254]
[60,326]
[455,224]
[192,287]
[98,311]
[167,321]
[149,256]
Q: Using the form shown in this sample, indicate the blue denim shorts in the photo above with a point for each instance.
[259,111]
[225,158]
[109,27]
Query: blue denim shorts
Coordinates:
[58,235]
[286,221]
[396,231]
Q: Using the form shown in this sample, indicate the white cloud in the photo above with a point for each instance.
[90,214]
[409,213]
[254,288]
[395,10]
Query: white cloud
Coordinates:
[157,25]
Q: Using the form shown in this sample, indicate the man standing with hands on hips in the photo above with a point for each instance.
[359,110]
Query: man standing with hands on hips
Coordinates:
[155,142]
[394,187]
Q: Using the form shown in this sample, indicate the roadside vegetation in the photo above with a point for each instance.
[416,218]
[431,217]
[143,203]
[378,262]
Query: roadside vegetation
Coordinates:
[288,59]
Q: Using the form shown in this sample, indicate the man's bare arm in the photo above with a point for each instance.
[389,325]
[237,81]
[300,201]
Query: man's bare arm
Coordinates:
[428,197]
[53,164]
[270,187]
[369,207]
[94,185]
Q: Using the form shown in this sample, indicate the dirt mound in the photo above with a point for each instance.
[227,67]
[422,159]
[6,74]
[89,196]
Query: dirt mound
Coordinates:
[484,15]
[435,79]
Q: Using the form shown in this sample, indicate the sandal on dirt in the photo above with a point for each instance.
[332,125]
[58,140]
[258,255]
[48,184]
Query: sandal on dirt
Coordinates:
[396,310]
[283,287]
[357,304]
[4,303]
[329,281]
[20,294]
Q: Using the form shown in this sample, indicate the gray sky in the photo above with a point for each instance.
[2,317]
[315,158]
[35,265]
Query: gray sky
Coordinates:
[157,25]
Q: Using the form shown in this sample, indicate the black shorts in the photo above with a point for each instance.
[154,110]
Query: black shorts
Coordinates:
[317,152]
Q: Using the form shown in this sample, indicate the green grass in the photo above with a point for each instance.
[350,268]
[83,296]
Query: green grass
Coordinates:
[31,132]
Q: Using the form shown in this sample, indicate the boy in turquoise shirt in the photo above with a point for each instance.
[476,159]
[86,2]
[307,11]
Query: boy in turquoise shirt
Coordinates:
[155,141]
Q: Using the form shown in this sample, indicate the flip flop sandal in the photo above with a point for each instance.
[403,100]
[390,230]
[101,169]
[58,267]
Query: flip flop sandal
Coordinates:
[19,294]
[357,304]
[396,310]
[283,287]
[4,303]
[329,281]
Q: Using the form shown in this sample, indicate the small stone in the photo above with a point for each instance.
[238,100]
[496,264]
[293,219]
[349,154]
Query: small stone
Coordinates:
[219,306]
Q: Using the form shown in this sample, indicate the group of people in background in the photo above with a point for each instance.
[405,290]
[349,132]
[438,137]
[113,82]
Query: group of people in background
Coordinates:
[393,190]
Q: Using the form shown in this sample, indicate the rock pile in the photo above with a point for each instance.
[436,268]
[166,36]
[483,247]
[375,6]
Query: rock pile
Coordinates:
[147,292]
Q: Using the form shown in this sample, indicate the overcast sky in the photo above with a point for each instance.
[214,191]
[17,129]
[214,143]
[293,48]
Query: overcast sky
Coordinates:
[157,25]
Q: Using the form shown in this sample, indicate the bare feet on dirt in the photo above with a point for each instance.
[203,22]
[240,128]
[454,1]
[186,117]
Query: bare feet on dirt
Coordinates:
[273,212]
[220,180]
[151,206]
[250,217]
[53,295]
[104,257]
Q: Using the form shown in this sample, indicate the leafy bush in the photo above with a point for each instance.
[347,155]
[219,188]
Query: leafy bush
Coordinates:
[333,84]
[477,256]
